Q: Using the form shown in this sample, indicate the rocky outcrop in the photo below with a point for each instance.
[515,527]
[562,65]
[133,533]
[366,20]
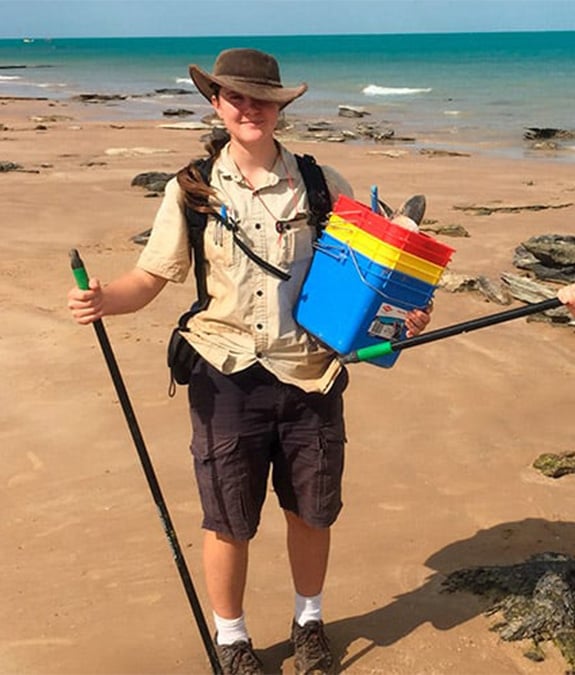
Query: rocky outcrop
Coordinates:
[534,600]
[555,465]
[545,133]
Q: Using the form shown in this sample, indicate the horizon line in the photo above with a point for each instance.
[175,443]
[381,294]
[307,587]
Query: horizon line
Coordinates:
[32,37]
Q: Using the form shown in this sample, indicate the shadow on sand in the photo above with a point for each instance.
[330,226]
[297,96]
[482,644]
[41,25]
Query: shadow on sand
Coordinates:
[503,544]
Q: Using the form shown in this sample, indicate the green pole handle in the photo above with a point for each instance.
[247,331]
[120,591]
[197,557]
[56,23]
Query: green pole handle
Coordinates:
[79,270]
[82,280]
[372,352]
[383,348]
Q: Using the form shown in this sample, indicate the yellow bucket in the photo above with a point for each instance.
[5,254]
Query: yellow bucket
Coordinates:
[381,252]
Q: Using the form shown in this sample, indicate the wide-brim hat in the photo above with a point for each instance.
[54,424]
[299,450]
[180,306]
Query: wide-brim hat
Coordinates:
[248,72]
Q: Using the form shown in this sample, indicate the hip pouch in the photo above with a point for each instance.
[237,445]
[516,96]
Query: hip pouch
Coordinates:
[181,355]
[181,358]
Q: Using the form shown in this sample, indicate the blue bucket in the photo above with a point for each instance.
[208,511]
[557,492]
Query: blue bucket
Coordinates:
[348,301]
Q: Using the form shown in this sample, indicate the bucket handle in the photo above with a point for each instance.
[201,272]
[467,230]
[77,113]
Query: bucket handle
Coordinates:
[332,250]
[366,282]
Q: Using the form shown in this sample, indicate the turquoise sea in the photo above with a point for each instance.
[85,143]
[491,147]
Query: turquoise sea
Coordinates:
[485,87]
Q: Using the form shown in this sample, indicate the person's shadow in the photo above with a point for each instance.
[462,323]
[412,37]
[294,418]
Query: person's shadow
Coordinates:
[503,544]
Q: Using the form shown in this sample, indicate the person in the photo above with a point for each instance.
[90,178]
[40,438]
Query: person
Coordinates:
[567,296]
[264,395]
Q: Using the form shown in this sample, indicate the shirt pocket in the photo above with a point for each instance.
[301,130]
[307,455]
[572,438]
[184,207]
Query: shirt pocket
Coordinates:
[296,240]
[219,245]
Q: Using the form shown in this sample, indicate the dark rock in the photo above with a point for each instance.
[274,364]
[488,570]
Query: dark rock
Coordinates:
[10,166]
[141,238]
[564,275]
[175,91]
[537,133]
[39,65]
[553,250]
[536,599]
[555,466]
[351,111]
[493,292]
[320,125]
[23,98]
[99,98]
[488,210]
[461,283]
[534,653]
[373,130]
[458,283]
[155,181]
[177,112]
[522,259]
[432,152]
[217,135]
[384,135]
[549,257]
[447,230]
[525,289]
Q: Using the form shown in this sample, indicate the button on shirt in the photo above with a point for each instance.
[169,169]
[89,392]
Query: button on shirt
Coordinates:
[250,315]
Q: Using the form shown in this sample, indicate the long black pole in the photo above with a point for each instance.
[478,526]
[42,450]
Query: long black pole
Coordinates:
[367,353]
[82,280]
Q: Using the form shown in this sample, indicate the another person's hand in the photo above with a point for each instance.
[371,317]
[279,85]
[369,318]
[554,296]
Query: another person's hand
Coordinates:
[86,306]
[567,297]
[417,320]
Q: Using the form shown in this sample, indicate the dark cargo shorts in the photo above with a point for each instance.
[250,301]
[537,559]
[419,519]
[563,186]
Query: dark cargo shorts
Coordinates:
[246,423]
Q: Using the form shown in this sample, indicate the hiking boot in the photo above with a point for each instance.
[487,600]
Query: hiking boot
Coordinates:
[239,658]
[311,646]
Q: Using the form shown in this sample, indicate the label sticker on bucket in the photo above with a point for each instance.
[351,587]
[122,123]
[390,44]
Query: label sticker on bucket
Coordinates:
[388,322]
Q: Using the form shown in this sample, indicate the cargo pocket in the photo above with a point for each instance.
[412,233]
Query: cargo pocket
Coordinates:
[329,477]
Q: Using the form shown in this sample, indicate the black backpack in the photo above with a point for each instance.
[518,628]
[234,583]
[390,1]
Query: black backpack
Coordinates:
[181,354]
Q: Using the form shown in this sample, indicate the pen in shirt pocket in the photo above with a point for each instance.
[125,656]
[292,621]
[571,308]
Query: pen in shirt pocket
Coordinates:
[220,225]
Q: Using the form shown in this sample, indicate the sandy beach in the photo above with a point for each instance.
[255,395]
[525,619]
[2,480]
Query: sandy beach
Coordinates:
[440,448]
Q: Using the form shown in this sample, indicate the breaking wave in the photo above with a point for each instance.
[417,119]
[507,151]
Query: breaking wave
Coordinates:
[376,90]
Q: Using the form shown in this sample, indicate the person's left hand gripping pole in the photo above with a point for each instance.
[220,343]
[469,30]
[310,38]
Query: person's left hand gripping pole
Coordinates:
[82,281]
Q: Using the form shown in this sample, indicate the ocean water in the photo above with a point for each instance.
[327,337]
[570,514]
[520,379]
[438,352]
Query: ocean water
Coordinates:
[485,87]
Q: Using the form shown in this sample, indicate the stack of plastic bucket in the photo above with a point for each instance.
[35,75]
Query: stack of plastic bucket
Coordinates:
[366,274]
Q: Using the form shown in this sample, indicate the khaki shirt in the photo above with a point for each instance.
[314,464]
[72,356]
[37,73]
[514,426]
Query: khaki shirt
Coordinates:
[250,315]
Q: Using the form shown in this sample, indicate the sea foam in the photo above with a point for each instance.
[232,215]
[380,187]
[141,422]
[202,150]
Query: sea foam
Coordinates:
[376,90]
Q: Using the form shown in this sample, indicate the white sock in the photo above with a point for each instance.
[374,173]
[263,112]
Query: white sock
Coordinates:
[229,631]
[307,609]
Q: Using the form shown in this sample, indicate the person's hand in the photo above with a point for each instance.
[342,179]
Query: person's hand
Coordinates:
[417,320]
[86,306]
[567,297]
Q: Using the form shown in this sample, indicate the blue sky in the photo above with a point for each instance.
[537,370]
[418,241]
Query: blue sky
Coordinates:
[125,18]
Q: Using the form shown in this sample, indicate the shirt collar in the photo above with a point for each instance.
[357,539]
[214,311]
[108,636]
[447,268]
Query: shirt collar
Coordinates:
[227,168]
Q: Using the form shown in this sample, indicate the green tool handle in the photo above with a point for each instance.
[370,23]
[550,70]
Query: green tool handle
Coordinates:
[79,271]
[82,281]
[383,348]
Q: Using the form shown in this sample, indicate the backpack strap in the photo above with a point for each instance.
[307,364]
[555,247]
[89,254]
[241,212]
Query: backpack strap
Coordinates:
[317,191]
[319,204]
[196,224]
